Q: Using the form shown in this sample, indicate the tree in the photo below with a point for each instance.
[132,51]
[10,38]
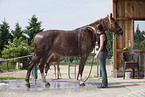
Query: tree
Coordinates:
[109,43]
[142,35]
[140,45]
[4,34]
[33,28]
[16,48]
[17,32]
[139,39]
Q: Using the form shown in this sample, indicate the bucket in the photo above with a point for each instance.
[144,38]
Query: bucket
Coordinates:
[127,75]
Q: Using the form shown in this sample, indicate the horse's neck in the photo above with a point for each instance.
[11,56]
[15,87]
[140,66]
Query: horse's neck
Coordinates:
[96,23]
[102,21]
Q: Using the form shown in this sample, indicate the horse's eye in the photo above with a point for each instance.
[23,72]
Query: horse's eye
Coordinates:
[116,23]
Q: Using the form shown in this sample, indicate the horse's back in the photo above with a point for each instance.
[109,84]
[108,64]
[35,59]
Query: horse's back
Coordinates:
[53,33]
[47,39]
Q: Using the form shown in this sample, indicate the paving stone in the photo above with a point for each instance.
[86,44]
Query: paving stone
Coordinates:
[66,87]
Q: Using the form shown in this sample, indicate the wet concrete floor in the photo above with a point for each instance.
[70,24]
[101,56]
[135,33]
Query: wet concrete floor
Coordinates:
[38,85]
[70,88]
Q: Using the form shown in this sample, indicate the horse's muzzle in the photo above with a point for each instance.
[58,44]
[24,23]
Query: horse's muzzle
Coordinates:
[119,31]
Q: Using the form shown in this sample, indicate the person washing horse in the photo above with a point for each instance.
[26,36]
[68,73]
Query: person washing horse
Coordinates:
[102,54]
[77,42]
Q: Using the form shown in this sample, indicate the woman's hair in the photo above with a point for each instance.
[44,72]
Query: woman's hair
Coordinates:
[100,27]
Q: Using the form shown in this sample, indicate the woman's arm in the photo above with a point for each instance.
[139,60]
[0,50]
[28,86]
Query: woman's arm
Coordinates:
[102,39]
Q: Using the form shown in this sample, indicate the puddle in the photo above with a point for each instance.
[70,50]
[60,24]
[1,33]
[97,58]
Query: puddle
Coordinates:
[3,84]
[19,84]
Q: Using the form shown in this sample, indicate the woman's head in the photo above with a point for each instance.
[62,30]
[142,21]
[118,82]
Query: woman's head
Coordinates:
[100,27]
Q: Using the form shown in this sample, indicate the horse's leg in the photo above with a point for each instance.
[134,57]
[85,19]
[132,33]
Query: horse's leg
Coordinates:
[41,67]
[47,67]
[47,64]
[54,68]
[32,64]
[81,68]
[58,70]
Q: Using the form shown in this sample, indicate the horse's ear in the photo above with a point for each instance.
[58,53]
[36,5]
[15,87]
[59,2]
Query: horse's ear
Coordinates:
[111,15]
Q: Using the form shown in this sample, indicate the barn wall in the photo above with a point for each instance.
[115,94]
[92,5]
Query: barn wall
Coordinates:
[125,12]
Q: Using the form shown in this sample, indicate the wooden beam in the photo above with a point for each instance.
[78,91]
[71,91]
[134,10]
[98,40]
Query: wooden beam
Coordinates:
[138,50]
[128,19]
[134,50]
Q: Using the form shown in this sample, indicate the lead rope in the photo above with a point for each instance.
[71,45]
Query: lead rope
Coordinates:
[90,70]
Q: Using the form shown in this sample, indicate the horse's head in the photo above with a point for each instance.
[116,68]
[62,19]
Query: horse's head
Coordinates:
[113,26]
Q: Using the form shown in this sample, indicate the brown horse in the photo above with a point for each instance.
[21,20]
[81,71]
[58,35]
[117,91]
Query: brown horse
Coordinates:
[78,42]
[51,59]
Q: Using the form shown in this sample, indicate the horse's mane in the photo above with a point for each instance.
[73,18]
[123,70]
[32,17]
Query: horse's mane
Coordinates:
[94,23]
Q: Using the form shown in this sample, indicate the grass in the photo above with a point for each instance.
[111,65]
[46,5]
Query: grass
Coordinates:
[9,78]
[4,67]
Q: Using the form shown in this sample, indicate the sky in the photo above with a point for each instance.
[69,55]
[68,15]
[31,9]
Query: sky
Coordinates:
[54,14]
[141,25]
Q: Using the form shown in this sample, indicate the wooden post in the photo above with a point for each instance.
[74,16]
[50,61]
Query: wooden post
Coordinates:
[114,41]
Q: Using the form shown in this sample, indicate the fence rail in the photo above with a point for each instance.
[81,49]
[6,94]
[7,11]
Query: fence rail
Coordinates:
[16,58]
[10,64]
[6,64]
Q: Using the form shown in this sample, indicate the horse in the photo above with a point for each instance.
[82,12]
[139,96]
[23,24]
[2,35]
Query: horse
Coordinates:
[78,42]
[51,59]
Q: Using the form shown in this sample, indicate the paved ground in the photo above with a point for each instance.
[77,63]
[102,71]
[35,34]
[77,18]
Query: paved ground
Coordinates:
[66,87]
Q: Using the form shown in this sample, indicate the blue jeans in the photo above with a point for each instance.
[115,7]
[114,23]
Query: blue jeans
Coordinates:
[102,59]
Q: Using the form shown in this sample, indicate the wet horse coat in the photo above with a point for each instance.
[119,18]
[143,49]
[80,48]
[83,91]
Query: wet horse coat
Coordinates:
[78,42]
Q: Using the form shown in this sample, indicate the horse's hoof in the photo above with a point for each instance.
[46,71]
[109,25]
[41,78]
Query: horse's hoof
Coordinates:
[47,84]
[82,84]
[28,85]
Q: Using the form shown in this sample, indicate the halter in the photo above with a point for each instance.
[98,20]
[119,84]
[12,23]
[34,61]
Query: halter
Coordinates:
[111,24]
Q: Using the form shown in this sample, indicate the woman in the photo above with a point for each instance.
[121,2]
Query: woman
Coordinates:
[102,54]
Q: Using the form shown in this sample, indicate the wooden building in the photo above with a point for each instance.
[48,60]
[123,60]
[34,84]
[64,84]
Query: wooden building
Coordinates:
[126,12]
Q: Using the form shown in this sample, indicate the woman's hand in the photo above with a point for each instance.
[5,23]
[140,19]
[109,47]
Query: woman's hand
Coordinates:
[96,56]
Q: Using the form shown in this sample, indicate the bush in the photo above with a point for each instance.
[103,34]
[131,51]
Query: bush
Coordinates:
[4,67]
[17,48]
